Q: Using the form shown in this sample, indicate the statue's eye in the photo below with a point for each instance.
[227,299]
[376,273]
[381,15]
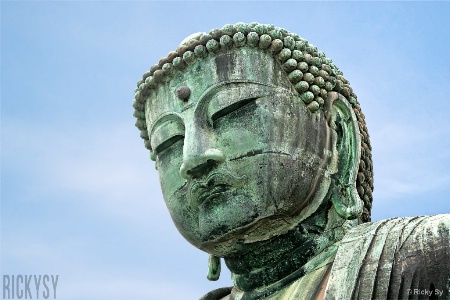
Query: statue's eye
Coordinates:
[166,135]
[231,108]
[166,144]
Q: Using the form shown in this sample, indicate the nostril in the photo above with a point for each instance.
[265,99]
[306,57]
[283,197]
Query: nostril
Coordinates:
[184,171]
[202,169]
[215,155]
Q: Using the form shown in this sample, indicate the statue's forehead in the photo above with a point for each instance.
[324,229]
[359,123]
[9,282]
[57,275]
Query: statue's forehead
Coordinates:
[214,72]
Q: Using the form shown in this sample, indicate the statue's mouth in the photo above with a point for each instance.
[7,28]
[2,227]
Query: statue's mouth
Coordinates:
[216,183]
[206,194]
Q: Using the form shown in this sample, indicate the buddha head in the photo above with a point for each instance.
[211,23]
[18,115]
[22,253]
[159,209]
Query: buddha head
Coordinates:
[252,129]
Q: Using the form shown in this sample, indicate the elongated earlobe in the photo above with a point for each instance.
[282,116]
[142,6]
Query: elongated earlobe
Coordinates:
[213,268]
[347,146]
[355,205]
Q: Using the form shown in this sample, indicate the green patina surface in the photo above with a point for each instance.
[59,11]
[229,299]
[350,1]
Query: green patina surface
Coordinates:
[248,133]
[263,156]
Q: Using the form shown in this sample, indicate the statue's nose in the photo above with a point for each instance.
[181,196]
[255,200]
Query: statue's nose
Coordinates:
[198,165]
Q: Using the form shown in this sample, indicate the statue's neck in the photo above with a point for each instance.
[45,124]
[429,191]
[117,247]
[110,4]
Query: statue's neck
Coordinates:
[283,259]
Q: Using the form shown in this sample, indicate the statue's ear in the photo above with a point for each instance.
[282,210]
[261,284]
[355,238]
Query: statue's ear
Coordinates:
[346,145]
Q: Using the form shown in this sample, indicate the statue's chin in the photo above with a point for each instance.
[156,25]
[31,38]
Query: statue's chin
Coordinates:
[260,229]
[226,220]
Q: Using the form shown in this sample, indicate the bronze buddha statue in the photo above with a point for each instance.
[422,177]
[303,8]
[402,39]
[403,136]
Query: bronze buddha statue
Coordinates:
[265,161]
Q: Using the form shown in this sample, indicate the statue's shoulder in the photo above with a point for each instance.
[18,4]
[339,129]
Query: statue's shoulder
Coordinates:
[392,258]
[413,226]
[217,294]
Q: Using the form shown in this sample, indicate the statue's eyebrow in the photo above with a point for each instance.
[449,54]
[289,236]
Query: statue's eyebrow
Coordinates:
[234,96]
[164,118]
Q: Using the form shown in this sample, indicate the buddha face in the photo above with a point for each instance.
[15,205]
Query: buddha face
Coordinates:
[242,156]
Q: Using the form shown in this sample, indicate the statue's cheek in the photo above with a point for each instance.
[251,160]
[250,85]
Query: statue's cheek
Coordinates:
[168,163]
[242,132]
[176,193]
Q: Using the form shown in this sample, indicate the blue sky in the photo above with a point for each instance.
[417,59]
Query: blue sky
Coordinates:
[79,194]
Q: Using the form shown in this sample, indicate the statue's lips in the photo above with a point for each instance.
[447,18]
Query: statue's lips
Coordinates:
[208,194]
[215,183]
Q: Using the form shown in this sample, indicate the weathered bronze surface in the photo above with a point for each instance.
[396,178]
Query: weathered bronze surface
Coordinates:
[265,161]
